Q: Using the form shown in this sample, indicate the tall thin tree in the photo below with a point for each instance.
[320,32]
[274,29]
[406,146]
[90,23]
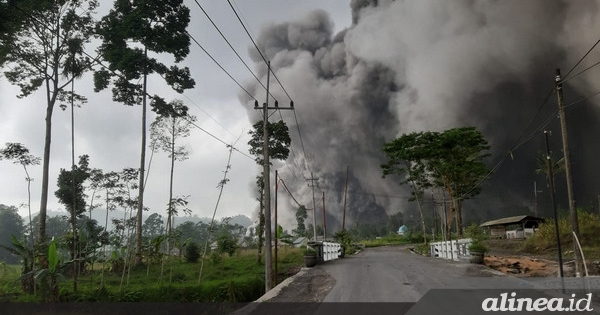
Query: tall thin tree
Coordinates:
[129,32]
[164,133]
[39,53]
[20,155]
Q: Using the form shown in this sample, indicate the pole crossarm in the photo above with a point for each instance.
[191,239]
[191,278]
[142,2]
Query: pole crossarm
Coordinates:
[273,107]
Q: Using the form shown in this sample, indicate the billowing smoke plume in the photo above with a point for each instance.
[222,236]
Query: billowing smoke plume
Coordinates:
[406,66]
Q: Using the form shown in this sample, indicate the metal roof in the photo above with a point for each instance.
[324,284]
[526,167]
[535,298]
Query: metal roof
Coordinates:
[510,220]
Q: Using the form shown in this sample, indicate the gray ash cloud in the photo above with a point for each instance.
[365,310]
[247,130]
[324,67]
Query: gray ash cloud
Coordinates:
[406,66]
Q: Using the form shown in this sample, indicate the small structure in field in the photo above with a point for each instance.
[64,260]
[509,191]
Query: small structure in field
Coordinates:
[402,230]
[521,226]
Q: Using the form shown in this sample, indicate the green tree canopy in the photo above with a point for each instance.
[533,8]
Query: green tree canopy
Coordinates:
[279,141]
[44,47]
[452,160]
[65,193]
[129,32]
[301,216]
[11,224]
[153,226]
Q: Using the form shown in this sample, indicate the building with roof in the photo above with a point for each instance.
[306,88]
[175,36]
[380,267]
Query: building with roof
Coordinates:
[402,230]
[521,226]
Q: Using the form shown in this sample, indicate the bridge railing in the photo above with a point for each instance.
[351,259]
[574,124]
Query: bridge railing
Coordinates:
[331,251]
[454,249]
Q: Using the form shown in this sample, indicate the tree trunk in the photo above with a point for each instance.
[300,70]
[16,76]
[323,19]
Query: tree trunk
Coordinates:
[45,169]
[449,222]
[459,219]
[422,220]
[140,206]
[170,211]
[74,194]
[420,207]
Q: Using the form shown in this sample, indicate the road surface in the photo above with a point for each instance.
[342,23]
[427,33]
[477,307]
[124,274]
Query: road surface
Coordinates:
[389,274]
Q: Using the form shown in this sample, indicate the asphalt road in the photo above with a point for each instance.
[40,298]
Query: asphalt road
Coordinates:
[389,274]
[396,277]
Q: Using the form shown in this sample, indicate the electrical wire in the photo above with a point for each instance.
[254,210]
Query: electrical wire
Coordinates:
[219,139]
[290,193]
[207,114]
[259,50]
[293,157]
[580,73]
[218,64]
[582,58]
[233,49]
[301,142]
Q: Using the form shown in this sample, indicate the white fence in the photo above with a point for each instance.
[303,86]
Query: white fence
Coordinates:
[331,251]
[455,249]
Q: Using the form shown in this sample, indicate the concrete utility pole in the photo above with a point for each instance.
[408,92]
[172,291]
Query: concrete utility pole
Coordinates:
[312,185]
[535,194]
[276,227]
[346,194]
[267,179]
[569,176]
[324,220]
[267,185]
[551,182]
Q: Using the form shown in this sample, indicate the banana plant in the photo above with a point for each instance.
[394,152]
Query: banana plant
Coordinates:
[21,249]
[48,276]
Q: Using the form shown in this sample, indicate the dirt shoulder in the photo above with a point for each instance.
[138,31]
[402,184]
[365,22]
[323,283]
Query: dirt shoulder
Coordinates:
[504,256]
[310,285]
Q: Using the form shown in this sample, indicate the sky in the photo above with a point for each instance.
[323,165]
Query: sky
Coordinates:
[110,132]
[360,73]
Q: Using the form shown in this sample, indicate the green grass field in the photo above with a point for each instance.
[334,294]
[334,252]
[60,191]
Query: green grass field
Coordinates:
[239,278]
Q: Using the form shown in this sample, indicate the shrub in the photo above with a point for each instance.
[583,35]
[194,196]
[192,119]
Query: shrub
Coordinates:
[545,237]
[192,252]
[475,233]
[309,251]
[227,244]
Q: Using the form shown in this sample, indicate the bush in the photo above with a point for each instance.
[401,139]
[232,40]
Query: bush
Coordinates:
[422,249]
[343,237]
[227,244]
[475,233]
[545,237]
[192,252]
[309,251]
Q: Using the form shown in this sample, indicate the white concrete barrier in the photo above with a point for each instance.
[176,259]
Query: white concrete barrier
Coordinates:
[455,249]
[331,251]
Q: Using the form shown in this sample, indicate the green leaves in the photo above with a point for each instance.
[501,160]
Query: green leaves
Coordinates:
[36,51]
[65,193]
[128,32]
[52,257]
[450,159]
[279,140]
[19,154]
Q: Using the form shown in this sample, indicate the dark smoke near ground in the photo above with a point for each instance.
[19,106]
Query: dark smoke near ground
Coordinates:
[406,66]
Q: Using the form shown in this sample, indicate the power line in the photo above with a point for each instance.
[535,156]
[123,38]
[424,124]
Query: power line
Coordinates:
[258,49]
[218,64]
[581,99]
[290,193]
[580,73]
[582,58]
[293,155]
[519,143]
[97,60]
[230,46]
[276,78]
[247,32]
[539,110]
[301,142]
[207,114]
[218,139]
